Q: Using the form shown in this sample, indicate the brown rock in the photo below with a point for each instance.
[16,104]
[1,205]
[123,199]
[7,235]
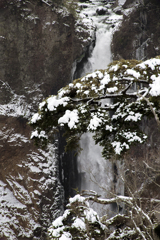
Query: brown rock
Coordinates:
[38,46]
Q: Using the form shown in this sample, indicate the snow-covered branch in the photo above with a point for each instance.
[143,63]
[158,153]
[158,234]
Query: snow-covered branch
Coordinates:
[83,221]
[46,2]
[123,93]
[119,199]
[110,103]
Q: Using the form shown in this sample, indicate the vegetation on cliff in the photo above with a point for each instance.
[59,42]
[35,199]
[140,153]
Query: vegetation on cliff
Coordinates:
[39,44]
[110,103]
[80,221]
[139,31]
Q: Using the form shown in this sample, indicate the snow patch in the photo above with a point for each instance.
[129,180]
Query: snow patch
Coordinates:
[94,123]
[53,102]
[155,86]
[70,117]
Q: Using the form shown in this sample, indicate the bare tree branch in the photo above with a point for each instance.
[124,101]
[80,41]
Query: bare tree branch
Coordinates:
[46,3]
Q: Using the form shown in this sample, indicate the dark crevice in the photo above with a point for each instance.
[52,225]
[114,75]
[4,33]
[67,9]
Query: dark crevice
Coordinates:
[68,171]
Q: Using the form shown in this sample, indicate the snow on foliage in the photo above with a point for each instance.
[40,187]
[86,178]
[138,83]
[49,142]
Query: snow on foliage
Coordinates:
[53,102]
[110,103]
[70,117]
[155,86]
[79,221]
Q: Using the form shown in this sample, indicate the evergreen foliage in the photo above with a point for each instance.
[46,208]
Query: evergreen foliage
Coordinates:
[110,103]
[79,221]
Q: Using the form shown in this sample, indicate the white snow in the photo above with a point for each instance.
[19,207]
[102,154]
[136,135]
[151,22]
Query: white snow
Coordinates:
[78,85]
[121,2]
[70,117]
[92,75]
[150,63]
[99,74]
[133,116]
[133,73]
[91,215]
[36,117]
[53,102]
[16,107]
[36,192]
[131,136]
[78,223]
[155,86]
[77,198]
[94,122]
[42,134]
[15,139]
[119,147]
[112,89]
[58,222]
[15,198]
[110,128]
[86,92]
[10,204]
[41,105]
[66,236]
[59,229]
[114,68]
[106,79]
[34,169]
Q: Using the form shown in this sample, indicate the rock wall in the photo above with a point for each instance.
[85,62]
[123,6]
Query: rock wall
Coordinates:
[39,45]
[138,36]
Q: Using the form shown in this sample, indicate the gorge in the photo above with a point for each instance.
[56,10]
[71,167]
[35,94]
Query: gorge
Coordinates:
[41,44]
[90,160]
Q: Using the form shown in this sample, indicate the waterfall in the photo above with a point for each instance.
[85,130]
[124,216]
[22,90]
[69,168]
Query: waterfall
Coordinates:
[101,55]
[121,2]
[97,173]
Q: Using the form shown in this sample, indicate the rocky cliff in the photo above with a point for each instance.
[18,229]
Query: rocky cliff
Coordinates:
[138,36]
[40,43]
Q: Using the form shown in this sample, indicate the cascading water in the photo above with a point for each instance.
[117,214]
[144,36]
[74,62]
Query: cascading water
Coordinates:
[101,55]
[97,173]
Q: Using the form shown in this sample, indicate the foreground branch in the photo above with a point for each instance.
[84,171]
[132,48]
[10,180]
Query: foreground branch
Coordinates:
[119,199]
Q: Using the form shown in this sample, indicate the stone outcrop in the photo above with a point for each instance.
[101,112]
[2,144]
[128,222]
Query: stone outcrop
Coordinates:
[39,43]
[138,36]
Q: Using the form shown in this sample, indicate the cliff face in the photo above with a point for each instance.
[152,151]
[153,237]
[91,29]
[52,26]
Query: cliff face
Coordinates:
[39,43]
[138,36]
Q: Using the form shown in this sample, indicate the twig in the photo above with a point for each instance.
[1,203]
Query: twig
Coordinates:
[46,3]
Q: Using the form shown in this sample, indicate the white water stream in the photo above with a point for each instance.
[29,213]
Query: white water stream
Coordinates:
[96,172]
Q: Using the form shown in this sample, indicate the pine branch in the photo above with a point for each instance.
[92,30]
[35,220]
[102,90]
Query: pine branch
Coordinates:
[90,100]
